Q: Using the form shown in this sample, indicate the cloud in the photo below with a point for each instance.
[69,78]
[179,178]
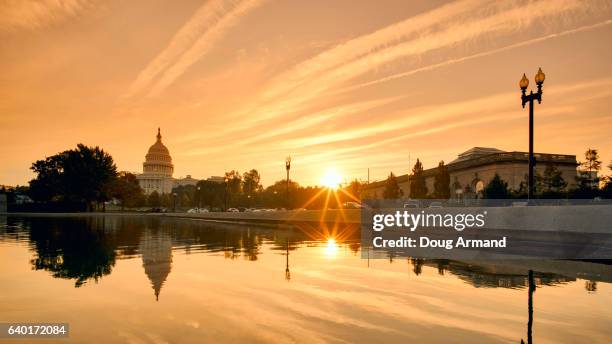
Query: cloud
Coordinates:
[31,15]
[203,30]
[442,28]
[477,55]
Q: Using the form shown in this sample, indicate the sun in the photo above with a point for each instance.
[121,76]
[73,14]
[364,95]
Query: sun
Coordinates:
[331,179]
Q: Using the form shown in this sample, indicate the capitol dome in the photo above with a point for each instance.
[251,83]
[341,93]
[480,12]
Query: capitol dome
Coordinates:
[158,160]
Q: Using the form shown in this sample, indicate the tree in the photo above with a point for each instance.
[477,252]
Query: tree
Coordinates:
[606,191]
[392,189]
[78,176]
[210,193]
[275,195]
[47,186]
[233,185]
[154,200]
[523,185]
[418,187]
[354,189]
[552,180]
[185,195]
[442,182]
[126,190]
[251,182]
[591,165]
[496,189]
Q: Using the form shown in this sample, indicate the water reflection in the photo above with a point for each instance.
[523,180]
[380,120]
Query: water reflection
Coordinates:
[87,249]
[82,253]
[287,272]
[156,251]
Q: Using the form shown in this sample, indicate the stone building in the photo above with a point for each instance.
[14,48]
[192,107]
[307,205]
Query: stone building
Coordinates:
[188,180]
[157,169]
[474,169]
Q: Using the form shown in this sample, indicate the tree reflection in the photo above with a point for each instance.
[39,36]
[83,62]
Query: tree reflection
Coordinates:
[78,249]
[86,248]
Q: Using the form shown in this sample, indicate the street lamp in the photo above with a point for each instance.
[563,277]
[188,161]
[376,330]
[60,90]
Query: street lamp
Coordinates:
[174,202]
[226,191]
[529,98]
[288,167]
[199,198]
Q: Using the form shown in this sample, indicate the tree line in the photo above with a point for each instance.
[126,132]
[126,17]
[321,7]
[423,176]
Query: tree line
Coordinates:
[86,178]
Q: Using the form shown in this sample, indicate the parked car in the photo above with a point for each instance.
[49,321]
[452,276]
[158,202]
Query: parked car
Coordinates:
[352,205]
[411,204]
[197,210]
[233,210]
[435,205]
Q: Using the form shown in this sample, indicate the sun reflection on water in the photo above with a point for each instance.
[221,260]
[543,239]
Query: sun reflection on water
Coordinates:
[331,248]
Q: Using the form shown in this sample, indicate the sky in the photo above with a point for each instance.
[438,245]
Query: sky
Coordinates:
[346,85]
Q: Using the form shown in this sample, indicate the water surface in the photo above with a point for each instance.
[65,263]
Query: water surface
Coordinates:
[149,279]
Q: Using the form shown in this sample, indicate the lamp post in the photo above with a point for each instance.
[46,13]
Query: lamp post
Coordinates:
[288,167]
[199,198]
[529,98]
[174,202]
[226,191]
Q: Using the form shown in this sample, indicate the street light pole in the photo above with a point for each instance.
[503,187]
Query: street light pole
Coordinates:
[530,98]
[288,167]
[226,192]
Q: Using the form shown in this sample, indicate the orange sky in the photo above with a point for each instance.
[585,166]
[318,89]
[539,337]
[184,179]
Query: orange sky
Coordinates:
[344,84]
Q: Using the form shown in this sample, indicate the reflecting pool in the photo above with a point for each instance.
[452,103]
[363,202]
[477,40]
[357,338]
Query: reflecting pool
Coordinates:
[152,279]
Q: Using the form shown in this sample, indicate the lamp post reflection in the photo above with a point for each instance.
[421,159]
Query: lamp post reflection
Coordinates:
[531,290]
[287,272]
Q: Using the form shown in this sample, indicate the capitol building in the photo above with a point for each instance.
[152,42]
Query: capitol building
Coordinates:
[157,171]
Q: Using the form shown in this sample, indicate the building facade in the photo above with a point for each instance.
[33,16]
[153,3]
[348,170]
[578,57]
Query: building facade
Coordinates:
[474,169]
[188,180]
[157,169]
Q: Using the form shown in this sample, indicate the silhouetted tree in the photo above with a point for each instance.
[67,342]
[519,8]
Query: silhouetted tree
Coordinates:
[126,190]
[234,186]
[153,200]
[418,187]
[251,182]
[77,176]
[552,179]
[185,195]
[211,193]
[442,182]
[591,166]
[354,188]
[392,189]
[496,189]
